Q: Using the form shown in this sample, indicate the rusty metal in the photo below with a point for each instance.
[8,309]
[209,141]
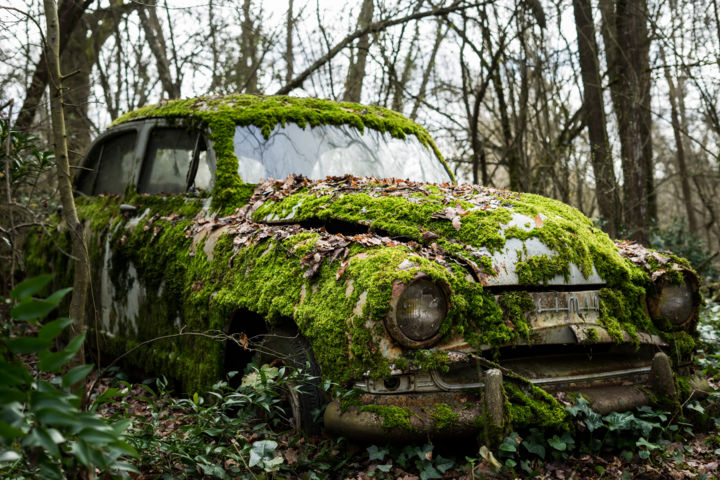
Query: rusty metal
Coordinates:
[608,399]
[562,318]
[368,426]
[661,376]
[505,260]
[494,396]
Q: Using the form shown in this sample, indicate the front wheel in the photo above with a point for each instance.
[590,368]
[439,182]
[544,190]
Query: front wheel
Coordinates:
[304,398]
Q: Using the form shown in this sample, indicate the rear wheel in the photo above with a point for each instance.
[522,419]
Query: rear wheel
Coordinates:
[304,399]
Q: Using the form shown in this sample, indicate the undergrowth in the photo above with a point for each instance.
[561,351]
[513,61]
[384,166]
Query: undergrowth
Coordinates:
[246,432]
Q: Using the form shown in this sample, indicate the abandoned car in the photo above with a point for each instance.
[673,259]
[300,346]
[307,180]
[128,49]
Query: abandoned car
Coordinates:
[443,308]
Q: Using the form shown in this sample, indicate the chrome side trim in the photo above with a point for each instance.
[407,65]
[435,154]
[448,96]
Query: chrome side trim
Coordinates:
[591,377]
[430,382]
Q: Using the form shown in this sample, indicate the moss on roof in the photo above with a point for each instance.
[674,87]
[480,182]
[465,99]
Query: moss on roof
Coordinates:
[221,114]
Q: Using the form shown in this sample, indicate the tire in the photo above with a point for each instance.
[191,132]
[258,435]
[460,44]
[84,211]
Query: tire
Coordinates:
[286,347]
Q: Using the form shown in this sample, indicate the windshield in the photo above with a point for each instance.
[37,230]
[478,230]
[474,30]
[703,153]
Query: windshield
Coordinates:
[333,150]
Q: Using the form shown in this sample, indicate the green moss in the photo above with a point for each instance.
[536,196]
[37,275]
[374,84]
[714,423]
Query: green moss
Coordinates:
[682,346]
[392,417]
[443,416]
[618,314]
[528,405]
[427,360]
[539,269]
[220,115]
[515,307]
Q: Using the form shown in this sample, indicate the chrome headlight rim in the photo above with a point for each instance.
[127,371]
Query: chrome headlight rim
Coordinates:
[391,320]
[655,301]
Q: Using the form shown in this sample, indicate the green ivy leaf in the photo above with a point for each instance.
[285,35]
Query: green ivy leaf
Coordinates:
[76,374]
[52,361]
[534,447]
[23,345]
[51,330]
[376,453]
[30,287]
[444,464]
[429,472]
[556,443]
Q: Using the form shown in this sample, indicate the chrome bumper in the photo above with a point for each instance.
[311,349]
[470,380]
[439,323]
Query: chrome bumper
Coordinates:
[476,403]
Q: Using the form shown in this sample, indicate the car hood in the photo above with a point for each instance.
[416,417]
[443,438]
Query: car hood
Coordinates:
[504,238]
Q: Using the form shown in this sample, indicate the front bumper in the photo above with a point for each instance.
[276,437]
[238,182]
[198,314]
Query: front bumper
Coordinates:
[432,405]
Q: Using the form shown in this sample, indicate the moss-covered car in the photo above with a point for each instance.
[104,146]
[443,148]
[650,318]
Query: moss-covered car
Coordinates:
[435,308]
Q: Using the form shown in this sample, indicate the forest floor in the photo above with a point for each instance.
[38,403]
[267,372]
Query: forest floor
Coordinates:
[242,433]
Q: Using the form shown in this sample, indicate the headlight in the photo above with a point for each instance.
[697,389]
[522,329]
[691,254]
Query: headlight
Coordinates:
[417,313]
[674,304]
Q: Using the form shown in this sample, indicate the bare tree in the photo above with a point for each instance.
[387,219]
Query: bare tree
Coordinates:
[594,112]
[627,46]
[81,260]
[69,14]
[356,70]
[156,41]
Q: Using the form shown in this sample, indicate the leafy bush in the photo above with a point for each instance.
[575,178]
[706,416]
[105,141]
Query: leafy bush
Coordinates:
[27,159]
[43,432]
[26,162]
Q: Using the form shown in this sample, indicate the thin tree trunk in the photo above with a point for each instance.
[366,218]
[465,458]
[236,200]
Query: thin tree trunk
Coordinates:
[289,57]
[379,26]
[680,150]
[420,98]
[249,40]
[594,110]
[81,259]
[156,41]
[356,71]
[399,84]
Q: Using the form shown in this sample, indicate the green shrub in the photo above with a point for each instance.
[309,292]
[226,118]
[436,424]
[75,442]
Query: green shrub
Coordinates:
[43,431]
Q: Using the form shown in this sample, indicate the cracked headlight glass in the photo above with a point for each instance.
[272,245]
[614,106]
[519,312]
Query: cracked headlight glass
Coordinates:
[418,313]
[674,304]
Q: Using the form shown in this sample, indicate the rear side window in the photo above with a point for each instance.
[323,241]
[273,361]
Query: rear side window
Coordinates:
[168,166]
[114,160]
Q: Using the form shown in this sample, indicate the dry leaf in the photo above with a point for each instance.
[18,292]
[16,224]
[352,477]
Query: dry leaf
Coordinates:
[456,223]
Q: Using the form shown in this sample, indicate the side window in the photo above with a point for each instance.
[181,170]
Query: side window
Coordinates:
[109,166]
[168,162]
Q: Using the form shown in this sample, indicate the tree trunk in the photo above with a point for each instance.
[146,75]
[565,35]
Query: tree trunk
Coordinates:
[156,41]
[289,57]
[627,47]
[356,71]
[673,95]
[248,81]
[606,188]
[69,14]
[76,93]
[81,259]
[440,34]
